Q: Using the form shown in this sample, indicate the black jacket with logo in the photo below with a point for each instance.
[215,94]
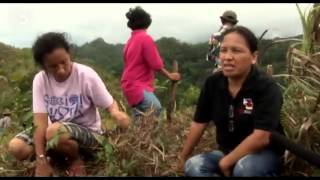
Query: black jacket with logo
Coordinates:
[256,106]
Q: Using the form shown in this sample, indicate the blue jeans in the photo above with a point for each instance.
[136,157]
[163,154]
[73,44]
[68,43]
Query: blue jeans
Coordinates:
[264,163]
[150,101]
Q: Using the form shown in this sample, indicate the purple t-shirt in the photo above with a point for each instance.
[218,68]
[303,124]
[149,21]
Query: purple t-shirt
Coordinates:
[141,61]
[74,100]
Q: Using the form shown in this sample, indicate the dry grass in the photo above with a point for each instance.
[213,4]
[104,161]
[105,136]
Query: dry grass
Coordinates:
[148,148]
[301,108]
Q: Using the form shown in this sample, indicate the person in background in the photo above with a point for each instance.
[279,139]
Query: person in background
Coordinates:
[5,122]
[228,20]
[141,61]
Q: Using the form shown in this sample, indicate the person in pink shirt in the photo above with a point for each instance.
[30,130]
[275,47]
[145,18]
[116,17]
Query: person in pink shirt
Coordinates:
[141,61]
[65,97]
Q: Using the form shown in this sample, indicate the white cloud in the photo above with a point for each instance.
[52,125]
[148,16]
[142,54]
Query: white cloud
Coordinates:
[22,23]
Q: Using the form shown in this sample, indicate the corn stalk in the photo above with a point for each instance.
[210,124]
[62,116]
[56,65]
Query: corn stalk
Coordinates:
[310,23]
[302,95]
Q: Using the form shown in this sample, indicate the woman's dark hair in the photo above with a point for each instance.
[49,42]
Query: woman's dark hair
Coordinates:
[138,18]
[247,34]
[48,42]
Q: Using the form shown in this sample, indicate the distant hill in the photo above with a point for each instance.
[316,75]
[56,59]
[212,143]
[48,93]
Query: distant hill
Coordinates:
[101,53]
[14,62]
[107,59]
[191,57]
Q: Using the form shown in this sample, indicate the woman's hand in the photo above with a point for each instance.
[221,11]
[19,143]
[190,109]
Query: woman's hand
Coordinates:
[225,167]
[174,76]
[43,167]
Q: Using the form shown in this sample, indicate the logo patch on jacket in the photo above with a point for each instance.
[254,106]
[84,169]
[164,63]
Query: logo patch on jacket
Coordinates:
[248,105]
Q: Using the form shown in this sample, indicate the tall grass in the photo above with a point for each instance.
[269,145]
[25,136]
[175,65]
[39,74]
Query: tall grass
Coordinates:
[301,114]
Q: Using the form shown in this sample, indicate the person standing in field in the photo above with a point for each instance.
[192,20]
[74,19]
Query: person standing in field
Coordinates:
[141,61]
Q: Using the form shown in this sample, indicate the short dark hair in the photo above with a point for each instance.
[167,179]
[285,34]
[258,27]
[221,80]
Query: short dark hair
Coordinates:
[138,18]
[247,34]
[48,42]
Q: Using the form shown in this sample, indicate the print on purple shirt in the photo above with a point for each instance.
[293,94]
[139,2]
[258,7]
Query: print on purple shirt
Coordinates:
[61,107]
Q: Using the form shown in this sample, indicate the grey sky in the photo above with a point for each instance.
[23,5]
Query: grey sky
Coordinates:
[21,23]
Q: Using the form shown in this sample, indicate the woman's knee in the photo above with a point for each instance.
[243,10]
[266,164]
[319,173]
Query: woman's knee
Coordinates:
[253,166]
[244,168]
[202,165]
[20,149]
[205,164]
[192,165]
[56,129]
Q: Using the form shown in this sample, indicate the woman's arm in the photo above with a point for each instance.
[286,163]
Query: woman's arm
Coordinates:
[121,117]
[196,131]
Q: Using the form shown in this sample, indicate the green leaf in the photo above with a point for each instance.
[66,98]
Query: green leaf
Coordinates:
[28,116]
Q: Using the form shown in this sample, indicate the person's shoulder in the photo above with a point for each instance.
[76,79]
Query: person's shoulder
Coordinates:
[40,73]
[264,81]
[39,76]
[143,38]
[147,36]
[82,67]
[215,78]
[84,70]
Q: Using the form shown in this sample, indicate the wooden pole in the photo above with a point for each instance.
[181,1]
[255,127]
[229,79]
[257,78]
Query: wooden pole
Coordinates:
[173,89]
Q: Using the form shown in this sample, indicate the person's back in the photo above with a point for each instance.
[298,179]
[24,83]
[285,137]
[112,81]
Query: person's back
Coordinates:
[141,61]
[138,74]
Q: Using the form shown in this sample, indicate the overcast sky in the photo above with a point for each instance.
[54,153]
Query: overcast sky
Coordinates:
[21,23]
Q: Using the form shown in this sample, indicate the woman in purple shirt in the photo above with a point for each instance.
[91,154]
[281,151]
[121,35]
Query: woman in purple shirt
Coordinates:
[66,96]
[141,61]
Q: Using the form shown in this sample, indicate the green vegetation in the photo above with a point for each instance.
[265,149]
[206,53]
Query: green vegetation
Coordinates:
[151,148]
[160,149]
[301,95]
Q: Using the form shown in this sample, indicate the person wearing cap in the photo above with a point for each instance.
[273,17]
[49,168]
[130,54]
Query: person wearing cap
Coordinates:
[141,61]
[228,20]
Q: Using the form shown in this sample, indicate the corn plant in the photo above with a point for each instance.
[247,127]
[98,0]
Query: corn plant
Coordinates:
[310,23]
[302,94]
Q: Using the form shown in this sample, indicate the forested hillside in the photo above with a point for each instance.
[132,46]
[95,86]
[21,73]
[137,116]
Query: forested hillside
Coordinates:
[191,59]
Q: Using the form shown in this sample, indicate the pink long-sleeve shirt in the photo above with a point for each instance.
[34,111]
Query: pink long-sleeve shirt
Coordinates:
[141,61]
